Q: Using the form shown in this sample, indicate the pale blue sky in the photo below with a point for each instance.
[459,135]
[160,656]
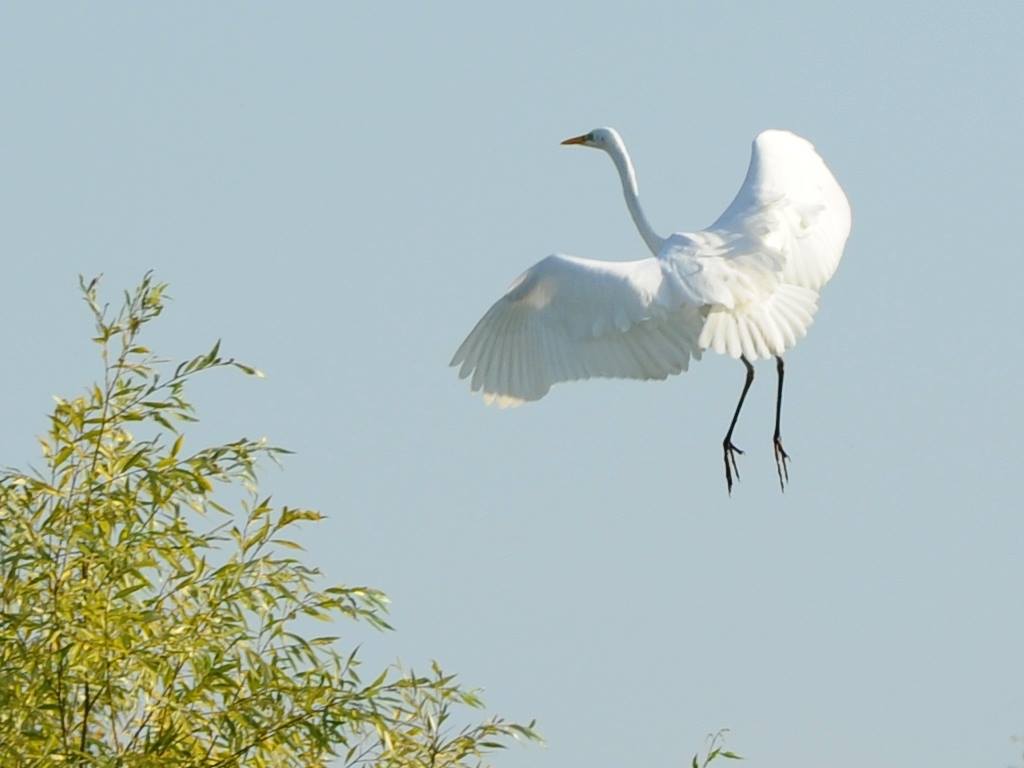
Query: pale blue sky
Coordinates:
[339,190]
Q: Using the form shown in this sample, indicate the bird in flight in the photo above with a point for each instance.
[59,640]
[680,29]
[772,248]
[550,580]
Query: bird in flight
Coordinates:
[747,287]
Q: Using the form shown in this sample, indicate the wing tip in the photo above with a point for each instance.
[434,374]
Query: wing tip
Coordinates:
[780,136]
[502,401]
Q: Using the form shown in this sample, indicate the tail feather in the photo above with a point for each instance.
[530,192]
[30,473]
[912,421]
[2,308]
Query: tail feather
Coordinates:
[765,330]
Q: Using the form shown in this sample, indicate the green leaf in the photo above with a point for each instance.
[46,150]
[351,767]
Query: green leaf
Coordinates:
[144,602]
[62,455]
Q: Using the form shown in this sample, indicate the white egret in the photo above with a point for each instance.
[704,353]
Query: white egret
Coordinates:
[747,286]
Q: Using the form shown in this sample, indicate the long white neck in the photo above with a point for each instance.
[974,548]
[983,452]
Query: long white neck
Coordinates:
[631,192]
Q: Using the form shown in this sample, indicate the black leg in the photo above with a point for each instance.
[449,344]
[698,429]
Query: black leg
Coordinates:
[728,449]
[781,457]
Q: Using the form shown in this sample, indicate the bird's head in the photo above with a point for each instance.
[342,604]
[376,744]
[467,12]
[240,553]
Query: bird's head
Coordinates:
[599,138]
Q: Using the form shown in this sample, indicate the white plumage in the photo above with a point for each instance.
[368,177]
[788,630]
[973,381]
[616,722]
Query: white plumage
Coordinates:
[747,286]
[568,318]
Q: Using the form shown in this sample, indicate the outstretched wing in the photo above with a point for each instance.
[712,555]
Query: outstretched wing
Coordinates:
[759,267]
[569,318]
[790,204]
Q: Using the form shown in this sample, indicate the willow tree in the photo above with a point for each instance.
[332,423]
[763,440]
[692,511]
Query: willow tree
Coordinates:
[152,601]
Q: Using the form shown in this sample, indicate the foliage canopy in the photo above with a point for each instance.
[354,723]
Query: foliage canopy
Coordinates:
[150,598]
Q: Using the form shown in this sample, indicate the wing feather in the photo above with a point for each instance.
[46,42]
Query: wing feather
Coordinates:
[570,318]
[759,267]
[793,205]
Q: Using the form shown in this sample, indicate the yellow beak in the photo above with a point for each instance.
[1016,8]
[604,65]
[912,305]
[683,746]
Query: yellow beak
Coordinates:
[576,140]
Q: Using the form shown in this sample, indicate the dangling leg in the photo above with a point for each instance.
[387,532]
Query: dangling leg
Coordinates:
[781,457]
[728,449]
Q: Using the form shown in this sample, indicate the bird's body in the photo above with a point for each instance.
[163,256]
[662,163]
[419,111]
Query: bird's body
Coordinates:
[747,286]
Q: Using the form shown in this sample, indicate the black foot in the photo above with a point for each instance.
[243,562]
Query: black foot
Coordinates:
[781,457]
[729,452]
